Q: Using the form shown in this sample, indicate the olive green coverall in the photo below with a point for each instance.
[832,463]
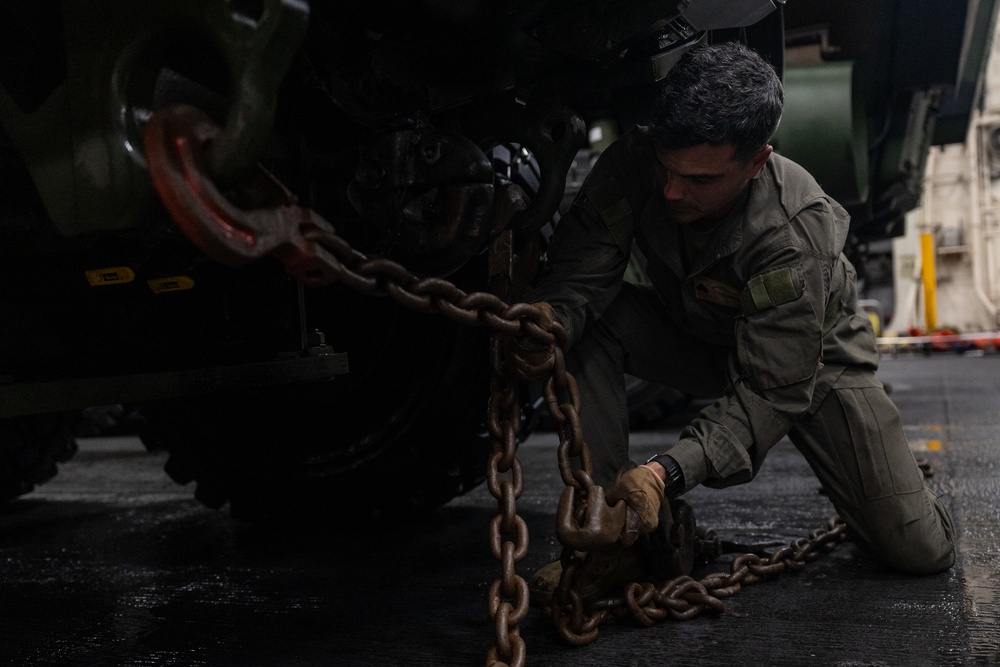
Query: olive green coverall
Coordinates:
[762,313]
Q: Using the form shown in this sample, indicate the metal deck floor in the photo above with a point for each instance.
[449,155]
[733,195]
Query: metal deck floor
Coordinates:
[111,563]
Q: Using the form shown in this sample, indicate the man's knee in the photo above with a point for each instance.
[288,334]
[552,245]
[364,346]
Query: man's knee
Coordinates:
[911,533]
[923,555]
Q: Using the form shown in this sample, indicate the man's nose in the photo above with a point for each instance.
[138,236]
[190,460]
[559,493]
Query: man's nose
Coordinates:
[672,190]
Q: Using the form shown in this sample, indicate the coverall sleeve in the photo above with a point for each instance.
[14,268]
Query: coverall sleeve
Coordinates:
[589,250]
[773,366]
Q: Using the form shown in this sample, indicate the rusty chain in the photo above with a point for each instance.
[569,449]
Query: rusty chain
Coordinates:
[178,144]
[508,594]
[586,523]
[683,598]
[503,419]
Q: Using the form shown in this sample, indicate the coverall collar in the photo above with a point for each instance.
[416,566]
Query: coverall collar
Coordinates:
[664,235]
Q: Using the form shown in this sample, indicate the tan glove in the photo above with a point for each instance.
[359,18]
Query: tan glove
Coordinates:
[531,357]
[642,491]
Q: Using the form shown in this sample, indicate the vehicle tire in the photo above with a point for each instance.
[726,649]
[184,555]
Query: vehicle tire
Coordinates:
[403,431]
[30,448]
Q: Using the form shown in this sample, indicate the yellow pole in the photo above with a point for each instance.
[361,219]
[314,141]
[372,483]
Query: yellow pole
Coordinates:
[929,279]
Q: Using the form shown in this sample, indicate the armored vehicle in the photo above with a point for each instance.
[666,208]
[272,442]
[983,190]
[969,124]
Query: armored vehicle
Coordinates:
[437,135]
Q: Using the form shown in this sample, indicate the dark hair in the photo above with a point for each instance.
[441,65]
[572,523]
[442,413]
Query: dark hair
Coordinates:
[718,94]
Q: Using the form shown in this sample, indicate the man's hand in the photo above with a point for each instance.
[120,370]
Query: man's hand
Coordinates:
[530,356]
[642,491]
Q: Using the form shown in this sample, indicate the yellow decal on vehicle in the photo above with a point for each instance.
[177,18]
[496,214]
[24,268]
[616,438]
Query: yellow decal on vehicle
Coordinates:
[171,284]
[113,275]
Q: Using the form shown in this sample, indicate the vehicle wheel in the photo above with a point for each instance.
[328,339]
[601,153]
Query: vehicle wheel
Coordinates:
[402,431]
[30,448]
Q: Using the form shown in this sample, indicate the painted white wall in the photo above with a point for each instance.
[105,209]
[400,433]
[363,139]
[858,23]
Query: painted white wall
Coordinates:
[960,206]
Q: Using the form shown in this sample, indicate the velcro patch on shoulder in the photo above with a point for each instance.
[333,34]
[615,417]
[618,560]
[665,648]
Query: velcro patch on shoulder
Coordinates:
[770,289]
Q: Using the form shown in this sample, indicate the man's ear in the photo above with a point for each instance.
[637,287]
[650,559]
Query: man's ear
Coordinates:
[759,159]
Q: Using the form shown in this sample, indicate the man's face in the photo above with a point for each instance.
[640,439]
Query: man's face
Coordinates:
[701,183]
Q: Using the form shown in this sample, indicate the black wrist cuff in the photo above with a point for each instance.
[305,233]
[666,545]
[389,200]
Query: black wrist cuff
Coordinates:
[675,476]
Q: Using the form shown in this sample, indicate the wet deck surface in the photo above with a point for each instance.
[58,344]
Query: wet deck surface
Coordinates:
[111,563]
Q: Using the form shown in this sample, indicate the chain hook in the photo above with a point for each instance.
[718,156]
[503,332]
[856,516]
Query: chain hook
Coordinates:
[178,142]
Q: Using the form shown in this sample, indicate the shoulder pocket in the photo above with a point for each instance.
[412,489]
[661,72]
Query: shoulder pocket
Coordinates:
[777,347]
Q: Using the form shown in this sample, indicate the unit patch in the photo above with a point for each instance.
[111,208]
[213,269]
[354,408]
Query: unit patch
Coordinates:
[716,291]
